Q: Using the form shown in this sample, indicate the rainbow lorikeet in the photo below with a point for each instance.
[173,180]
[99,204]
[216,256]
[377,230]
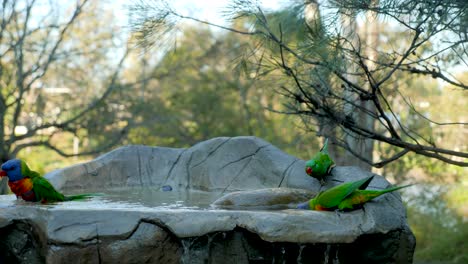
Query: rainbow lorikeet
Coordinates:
[348,195]
[321,164]
[31,186]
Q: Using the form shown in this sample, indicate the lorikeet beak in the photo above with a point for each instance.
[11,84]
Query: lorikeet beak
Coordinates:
[3,173]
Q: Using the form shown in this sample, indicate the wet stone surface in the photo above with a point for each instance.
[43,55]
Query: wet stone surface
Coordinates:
[225,200]
[247,247]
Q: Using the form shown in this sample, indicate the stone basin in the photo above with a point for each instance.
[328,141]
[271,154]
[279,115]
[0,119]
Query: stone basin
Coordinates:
[207,217]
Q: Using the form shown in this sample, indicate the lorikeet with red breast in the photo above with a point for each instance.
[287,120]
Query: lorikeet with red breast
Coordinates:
[31,186]
[321,164]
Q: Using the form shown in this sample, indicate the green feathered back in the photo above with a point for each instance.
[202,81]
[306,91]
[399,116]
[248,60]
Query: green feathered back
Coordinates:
[321,163]
[44,190]
[335,195]
[360,196]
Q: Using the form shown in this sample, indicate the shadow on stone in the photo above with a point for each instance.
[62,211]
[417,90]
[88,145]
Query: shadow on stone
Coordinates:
[242,246]
[19,243]
[149,243]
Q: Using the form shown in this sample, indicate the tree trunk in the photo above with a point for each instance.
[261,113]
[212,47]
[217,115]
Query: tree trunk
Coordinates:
[360,145]
[326,128]
[3,180]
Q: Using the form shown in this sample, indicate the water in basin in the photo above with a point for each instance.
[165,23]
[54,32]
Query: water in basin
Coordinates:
[130,198]
[151,197]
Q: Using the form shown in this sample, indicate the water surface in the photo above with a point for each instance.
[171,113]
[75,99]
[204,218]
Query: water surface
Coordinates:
[128,198]
[151,197]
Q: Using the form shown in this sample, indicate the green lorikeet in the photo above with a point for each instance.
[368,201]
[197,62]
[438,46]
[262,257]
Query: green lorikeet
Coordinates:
[321,164]
[31,186]
[348,195]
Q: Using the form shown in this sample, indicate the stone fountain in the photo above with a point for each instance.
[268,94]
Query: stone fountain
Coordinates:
[252,219]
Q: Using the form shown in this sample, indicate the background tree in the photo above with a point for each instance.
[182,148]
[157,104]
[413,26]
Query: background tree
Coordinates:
[432,35]
[56,76]
[204,88]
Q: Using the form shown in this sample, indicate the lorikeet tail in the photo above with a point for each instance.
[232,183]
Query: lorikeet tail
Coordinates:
[395,188]
[82,196]
[371,194]
[325,147]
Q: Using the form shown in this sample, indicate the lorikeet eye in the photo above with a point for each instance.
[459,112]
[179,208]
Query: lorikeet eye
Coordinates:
[309,170]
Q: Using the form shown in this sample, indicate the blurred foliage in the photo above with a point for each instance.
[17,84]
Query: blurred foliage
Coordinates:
[436,242]
[438,217]
[415,99]
[44,160]
[457,199]
[206,88]
[57,66]
[426,96]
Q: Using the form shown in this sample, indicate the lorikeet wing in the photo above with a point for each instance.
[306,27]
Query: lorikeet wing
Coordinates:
[359,197]
[366,183]
[335,195]
[44,191]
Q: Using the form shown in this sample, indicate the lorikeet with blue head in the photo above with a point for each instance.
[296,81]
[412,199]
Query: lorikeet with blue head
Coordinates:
[31,186]
[321,164]
[346,196]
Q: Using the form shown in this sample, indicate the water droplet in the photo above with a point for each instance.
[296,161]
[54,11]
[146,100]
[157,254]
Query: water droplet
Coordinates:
[299,256]
[326,254]
[336,260]
[186,244]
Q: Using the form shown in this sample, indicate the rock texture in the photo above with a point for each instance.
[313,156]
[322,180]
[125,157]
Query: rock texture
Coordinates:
[219,164]
[92,232]
[274,198]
